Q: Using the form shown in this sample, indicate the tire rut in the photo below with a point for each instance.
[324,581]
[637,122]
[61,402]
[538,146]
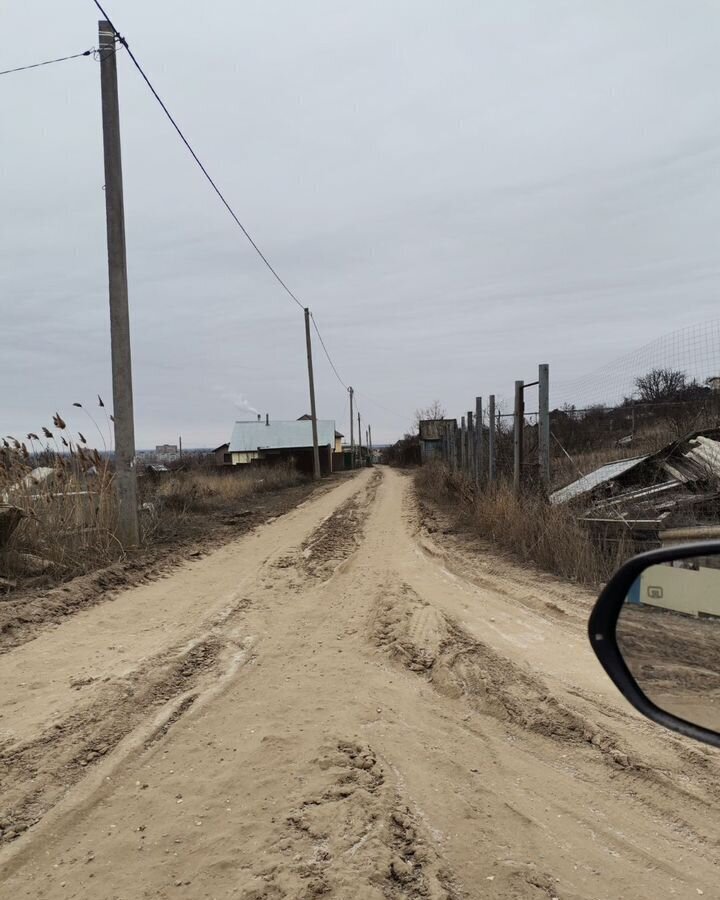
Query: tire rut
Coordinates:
[36,774]
[351,832]
[427,642]
[333,541]
[458,666]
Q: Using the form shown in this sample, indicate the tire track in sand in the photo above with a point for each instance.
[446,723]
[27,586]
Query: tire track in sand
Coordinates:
[35,774]
[333,542]
[351,834]
[426,641]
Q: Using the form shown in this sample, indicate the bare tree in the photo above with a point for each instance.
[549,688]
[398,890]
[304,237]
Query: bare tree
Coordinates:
[661,384]
[435,411]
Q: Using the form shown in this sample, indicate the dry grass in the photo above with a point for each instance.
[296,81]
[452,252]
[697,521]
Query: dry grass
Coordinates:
[68,521]
[204,491]
[528,527]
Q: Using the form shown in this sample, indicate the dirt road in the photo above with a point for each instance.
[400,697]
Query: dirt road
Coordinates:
[342,704]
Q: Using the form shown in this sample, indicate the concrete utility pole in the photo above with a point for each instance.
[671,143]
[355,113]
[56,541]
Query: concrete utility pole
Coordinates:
[470,445]
[359,441]
[125,473]
[352,435]
[463,443]
[311,382]
[478,440]
[491,439]
[370,446]
[544,423]
[518,422]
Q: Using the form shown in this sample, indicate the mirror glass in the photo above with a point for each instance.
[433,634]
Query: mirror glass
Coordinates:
[669,635]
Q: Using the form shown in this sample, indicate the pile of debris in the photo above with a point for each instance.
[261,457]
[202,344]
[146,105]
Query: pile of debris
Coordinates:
[670,495]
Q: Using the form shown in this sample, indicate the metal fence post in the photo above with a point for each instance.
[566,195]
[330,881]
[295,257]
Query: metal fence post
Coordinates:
[470,444]
[544,423]
[518,422]
[478,473]
[491,439]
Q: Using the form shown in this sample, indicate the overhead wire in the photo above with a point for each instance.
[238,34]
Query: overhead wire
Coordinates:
[48,62]
[327,353]
[332,364]
[339,378]
[222,198]
[197,159]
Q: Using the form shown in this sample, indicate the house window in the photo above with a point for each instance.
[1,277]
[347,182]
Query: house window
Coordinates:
[227,457]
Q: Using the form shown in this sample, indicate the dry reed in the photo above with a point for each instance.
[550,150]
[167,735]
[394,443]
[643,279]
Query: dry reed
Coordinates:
[65,494]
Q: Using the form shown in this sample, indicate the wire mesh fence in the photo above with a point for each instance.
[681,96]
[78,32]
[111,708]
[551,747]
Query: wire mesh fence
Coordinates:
[633,406]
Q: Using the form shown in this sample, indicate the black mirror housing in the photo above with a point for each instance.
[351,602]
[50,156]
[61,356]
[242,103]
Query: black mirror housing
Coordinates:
[602,632]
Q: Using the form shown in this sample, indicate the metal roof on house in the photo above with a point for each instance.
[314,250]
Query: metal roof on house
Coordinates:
[593,479]
[250,436]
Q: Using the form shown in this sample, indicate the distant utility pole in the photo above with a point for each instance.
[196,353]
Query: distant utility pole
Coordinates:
[352,434]
[370,446]
[125,473]
[359,441]
[311,381]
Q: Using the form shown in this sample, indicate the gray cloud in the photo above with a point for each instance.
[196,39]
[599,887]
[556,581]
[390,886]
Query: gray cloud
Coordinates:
[458,191]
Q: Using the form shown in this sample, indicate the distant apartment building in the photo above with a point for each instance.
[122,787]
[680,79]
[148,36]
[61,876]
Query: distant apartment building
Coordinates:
[166,452]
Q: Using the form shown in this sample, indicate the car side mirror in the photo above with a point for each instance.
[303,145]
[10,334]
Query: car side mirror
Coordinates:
[655,629]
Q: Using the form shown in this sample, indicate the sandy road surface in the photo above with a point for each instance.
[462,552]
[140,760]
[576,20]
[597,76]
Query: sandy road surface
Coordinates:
[342,704]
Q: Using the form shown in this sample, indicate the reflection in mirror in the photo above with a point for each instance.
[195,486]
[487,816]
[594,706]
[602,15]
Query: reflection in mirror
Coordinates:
[669,635]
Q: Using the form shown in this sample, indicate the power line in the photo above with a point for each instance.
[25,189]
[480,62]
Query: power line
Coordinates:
[194,155]
[219,193]
[329,358]
[332,364]
[337,375]
[47,62]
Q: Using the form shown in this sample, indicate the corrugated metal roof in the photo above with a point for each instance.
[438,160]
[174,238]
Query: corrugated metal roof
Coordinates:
[250,436]
[593,479]
[700,461]
[639,494]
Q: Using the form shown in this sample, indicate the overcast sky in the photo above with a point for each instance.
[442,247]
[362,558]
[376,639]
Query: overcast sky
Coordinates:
[458,190]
